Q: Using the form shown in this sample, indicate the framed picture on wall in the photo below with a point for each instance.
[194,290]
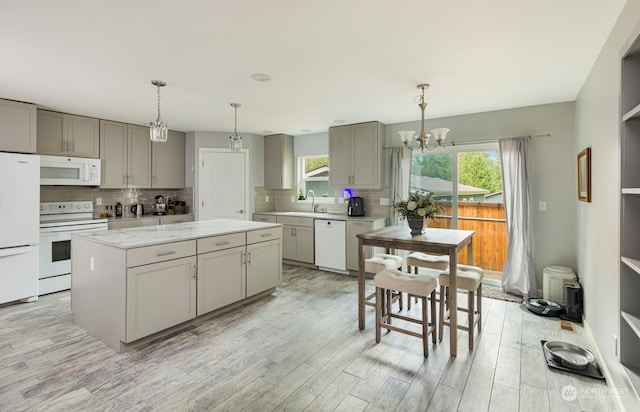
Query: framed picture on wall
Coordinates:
[584,175]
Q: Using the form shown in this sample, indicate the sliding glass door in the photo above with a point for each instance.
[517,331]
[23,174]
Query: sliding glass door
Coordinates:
[467,180]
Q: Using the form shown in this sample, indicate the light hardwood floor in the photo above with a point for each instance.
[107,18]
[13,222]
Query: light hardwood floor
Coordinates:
[298,349]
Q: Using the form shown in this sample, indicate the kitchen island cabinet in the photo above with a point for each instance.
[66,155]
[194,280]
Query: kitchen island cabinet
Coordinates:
[132,283]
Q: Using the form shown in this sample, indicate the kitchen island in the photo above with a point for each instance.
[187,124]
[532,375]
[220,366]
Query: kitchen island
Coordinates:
[131,284]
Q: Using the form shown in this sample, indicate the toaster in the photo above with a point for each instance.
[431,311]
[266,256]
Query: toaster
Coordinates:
[356,207]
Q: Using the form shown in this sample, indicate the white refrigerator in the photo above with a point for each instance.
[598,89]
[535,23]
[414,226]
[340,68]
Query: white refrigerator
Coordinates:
[19,226]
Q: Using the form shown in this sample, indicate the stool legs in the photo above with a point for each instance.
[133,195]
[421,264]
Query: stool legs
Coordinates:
[474,312]
[428,321]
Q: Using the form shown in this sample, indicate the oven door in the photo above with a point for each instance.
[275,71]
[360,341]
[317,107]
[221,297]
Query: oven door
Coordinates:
[55,248]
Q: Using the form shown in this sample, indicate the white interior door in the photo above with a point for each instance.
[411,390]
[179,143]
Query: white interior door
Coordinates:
[223,184]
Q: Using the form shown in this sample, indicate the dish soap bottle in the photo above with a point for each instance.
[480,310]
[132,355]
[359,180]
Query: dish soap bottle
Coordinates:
[118,209]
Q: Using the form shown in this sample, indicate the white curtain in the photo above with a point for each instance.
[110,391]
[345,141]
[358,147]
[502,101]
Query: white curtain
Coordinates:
[518,275]
[400,177]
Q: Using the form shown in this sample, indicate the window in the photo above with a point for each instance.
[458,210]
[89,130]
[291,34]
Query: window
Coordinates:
[313,172]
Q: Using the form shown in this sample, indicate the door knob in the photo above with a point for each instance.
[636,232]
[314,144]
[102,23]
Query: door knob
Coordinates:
[241,211]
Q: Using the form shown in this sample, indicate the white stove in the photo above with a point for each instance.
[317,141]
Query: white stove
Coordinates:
[58,220]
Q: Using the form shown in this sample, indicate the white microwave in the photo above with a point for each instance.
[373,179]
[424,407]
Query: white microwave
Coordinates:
[69,171]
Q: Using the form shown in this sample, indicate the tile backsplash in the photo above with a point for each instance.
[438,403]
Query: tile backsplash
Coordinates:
[112,196]
[285,200]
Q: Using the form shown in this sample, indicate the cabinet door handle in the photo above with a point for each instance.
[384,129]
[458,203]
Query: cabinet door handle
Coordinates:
[222,242]
[248,258]
[171,252]
[266,235]
[241,211]
[195,272]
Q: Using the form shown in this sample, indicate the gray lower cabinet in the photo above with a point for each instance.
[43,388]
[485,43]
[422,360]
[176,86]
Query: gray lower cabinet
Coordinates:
[298,243]
[18,131]
[159,296]
[354,228]
[61,134]
[264,266]
[221,271]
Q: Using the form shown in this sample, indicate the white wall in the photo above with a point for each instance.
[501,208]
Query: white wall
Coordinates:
[554,168]
[597,223]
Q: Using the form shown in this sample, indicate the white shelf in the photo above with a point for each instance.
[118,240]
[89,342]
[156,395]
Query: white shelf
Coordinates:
[631,191]
[631,114]
[633,374]
[632,263]
[633,320]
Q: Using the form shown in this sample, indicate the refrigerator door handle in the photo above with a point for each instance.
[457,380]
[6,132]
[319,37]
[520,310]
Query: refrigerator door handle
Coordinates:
[13,251]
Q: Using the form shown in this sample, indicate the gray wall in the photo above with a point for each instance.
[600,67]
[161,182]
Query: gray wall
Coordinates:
[597,223]
[554,168]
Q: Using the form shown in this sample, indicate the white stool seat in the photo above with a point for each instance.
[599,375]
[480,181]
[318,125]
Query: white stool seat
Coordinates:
[416,285]
[382,261]
[424,260]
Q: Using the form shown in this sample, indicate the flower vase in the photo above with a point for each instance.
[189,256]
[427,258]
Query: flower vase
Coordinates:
[417,226]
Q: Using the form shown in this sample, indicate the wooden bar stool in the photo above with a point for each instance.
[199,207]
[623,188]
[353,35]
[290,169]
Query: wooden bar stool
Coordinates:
[468,278]
[415,285]
[378,263]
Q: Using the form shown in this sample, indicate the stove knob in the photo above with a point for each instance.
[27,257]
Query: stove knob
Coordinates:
[78,206]
[43,208]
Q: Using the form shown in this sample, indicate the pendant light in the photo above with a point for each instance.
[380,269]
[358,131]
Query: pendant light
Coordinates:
[159,130]
[422,139]
[235,141]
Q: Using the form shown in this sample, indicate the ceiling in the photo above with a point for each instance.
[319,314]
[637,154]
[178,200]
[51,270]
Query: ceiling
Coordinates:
[355,60]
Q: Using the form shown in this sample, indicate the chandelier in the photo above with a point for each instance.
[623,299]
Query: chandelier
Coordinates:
[423,138]
[235,141]
[159,130]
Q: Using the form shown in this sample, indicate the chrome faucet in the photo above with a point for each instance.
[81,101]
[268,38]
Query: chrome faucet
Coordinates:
[313,200]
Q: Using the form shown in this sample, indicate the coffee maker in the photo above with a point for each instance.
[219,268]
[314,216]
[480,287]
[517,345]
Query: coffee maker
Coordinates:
[159,206]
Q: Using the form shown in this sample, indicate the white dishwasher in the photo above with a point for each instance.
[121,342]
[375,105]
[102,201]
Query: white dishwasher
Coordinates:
[331,245]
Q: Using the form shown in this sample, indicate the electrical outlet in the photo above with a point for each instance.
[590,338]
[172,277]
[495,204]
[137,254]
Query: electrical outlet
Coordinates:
[384,201]
[542,206]
[615,344]
[266,199]
[92,264]
[293,199]
[98,201]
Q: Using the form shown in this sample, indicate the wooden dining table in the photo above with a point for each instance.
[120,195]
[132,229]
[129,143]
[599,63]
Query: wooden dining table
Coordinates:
[437,241]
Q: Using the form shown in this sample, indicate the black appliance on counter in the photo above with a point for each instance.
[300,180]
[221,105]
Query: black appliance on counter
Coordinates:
[356,207]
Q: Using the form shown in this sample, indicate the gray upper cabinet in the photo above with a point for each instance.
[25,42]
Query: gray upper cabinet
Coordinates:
[167,162]
[126,155]
[355,155]
[278,161]
[17,127]
[62,134]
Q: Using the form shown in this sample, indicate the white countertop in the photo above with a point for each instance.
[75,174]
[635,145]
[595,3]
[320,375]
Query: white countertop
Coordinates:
[176,232]
[324,216]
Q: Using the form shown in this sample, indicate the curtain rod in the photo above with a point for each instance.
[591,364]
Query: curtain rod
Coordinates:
[481,141]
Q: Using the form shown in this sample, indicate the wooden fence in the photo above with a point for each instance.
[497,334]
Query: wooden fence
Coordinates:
[488,221]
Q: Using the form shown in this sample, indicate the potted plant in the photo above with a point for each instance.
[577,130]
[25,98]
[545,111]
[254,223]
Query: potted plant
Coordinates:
[416,209]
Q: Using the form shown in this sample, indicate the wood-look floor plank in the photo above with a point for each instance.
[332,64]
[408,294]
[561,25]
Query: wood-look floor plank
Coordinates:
[297,348]
[477,391]
[504,399]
